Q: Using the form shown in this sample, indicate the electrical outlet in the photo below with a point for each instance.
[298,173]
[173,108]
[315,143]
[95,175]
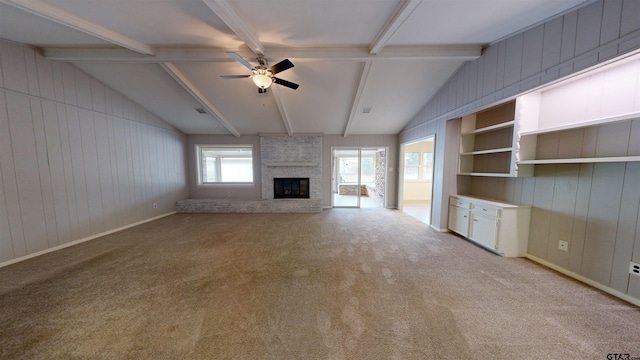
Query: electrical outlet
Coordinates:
[563,245]
[634,268]
[155,205]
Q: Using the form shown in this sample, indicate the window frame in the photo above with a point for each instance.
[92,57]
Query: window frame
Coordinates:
[421,167]
[199,165]
[417,166]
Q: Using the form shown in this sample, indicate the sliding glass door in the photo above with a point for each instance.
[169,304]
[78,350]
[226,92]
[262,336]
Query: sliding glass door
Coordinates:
[358,177]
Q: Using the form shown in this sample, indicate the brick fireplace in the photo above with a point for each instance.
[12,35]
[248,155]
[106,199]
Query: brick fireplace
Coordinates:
[291,157]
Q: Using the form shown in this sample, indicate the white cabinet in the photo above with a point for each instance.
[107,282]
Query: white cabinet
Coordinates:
[485,230]
[498,226]
[459,216]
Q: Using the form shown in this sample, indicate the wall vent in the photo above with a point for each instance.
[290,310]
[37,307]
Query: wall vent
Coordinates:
[634,269]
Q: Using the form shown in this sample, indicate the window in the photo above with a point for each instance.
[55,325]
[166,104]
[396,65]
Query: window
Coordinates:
[418,166]
[219,164]
[368,169]
[411,165]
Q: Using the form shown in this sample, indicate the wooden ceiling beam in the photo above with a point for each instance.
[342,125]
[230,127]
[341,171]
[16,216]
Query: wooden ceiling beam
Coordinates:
[358,54]
[275,91]
[366,69]
[60,16]
[401,13]
[225,12]
[181,79]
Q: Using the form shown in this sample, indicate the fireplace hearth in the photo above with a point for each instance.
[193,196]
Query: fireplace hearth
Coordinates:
[291,188]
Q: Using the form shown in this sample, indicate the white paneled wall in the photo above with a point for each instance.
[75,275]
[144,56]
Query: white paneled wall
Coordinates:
[548,52]
[76,158]
[595,206]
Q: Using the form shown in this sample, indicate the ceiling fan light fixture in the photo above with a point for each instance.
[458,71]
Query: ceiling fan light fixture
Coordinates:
[262,78]
[262,75]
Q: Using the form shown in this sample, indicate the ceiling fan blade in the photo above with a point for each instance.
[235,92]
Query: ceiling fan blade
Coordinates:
[234,76]
[240,59]
[286,83]
[281,66]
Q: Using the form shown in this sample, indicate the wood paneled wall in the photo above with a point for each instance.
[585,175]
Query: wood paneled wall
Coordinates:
[76,158]
[595,207]
[592,204]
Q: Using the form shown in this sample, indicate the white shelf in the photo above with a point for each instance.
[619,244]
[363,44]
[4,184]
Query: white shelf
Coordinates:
[291,164]
[490,151]
[486,174]
[490,128]
[487,142]
[580,160]
[584,124]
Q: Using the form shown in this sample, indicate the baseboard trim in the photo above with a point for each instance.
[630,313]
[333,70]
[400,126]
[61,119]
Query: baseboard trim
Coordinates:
[439,229]
[79,241]
[585,280]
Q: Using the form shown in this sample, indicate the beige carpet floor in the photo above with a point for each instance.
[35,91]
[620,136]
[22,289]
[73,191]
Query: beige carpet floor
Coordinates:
[341,284]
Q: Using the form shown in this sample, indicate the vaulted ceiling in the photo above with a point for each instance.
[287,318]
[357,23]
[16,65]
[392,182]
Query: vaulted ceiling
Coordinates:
[389,56]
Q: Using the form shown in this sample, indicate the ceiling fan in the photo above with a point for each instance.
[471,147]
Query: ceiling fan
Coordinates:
[263,76]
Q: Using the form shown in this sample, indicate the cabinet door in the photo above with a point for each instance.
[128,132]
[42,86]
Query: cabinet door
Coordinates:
[459,220]
[484,230]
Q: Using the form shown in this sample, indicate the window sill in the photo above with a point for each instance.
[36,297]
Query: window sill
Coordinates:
[226,185]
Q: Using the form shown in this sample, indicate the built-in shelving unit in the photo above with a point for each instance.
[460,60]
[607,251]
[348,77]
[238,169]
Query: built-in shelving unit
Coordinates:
[503,141]
[584,124]
[609,153]
[581,121]
[488,142]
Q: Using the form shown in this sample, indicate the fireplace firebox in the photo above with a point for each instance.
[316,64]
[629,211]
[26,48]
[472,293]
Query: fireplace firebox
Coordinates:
[291,188]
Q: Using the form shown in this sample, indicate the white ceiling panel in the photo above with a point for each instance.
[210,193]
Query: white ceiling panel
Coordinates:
[21,26]
[156,22]
[323,101]
[237,99]
[124,43]
[397,90]
[473,21]
[150,86]
[309,23]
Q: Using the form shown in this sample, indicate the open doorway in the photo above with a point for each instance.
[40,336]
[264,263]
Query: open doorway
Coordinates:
[417,178]
[358,177]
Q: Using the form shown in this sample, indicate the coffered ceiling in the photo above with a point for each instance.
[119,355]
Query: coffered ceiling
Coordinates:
[389,56]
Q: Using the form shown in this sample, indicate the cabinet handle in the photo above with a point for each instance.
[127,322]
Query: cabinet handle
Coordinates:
[476,220]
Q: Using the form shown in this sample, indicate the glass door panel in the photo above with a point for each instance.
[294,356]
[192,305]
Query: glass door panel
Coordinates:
[346,187]
[373,168]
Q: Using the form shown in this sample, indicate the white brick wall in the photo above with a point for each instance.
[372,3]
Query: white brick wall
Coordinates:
[248,206]
[277,151]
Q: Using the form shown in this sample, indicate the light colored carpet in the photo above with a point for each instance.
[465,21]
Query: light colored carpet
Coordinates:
[341,284]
